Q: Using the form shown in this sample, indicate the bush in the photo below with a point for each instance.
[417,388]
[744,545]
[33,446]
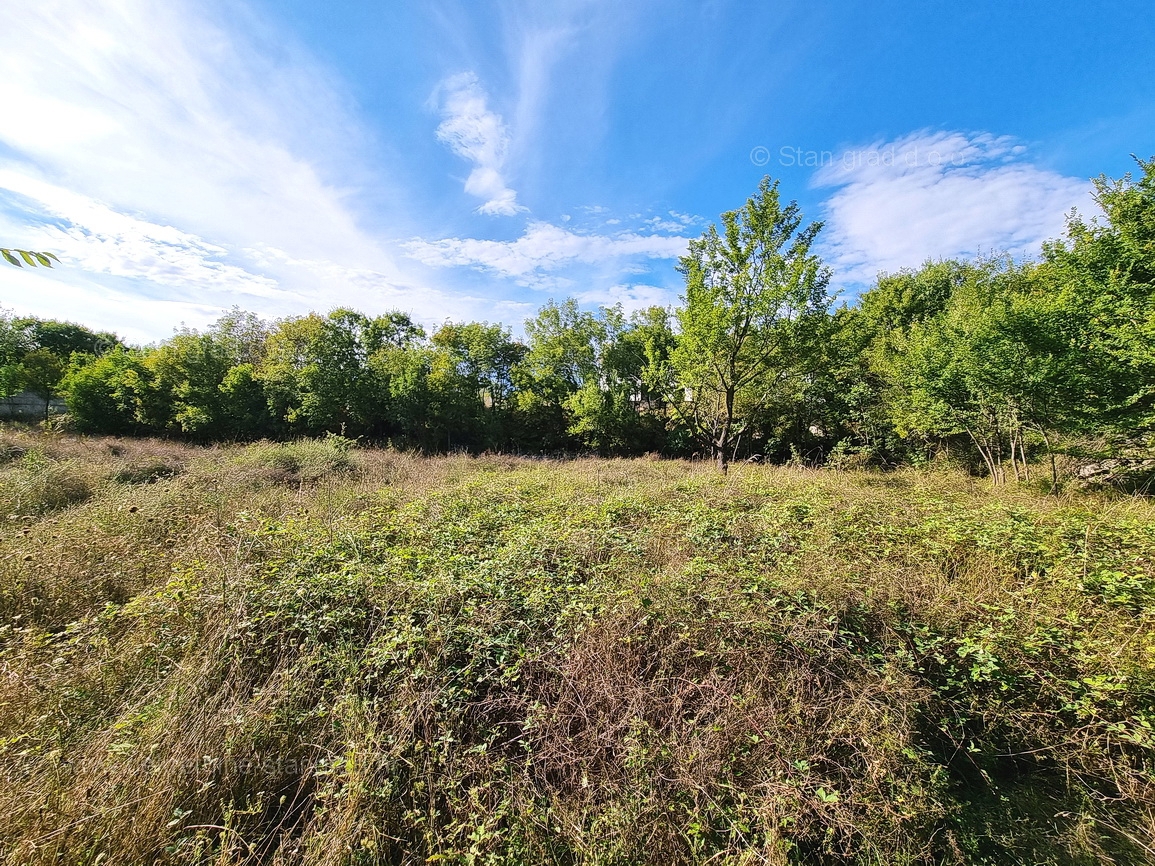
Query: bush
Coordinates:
[305,460]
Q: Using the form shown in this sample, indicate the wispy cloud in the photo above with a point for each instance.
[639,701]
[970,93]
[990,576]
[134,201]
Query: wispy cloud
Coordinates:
[938,195]
[92,236]
[477,134]
[160,152]
[631,297]
[543,249]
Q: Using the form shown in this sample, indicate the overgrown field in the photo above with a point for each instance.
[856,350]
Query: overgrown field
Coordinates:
[314,654]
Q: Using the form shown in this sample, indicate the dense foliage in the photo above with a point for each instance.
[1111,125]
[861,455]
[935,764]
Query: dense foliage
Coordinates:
[996,361]
[35,353]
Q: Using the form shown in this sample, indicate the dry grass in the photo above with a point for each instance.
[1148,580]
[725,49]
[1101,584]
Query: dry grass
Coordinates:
[383,658]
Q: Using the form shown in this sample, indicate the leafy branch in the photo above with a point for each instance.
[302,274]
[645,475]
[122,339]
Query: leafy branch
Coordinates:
[32,259]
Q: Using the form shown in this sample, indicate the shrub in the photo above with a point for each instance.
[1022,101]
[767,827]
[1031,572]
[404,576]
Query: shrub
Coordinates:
[305,460]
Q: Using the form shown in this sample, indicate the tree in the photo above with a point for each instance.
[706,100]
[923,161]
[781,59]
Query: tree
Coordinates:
[34,353]
[1003,363]
[1104,273]
[113,393]
[15,343]
[65,338]
[583,382]
[187,373]
[319,374]
[755,294]
[561,358]
[208,380]
[41,372]
[471,383]
[484,354]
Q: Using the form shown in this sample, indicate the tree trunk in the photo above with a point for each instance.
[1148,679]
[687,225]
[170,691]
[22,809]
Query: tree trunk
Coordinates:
[723,443]
[1054,465]
[986,452]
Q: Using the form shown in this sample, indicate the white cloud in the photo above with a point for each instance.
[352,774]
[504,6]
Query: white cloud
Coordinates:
[480,136]
[71,295]
[659,224]
[632,297]
[935,195]
[153,109]
[544,248]
[159,153]
[87,234]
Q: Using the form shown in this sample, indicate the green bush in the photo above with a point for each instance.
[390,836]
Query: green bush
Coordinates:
[304,460]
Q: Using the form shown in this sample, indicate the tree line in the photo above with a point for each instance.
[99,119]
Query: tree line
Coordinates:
[1001,362]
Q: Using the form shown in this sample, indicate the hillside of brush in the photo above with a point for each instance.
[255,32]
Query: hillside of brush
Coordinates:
[309,653]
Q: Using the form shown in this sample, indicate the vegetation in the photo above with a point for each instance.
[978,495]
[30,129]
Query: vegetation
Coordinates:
[754,295]
[1000,364]
[35,353]
[321,647]
[312,653]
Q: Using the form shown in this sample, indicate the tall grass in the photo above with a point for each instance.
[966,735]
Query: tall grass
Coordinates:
[34,484]
[496,660]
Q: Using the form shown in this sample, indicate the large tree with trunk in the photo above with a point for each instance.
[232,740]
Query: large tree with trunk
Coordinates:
[754,295]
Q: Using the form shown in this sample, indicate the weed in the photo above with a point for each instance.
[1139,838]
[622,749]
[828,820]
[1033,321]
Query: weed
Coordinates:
[494,660]
[305,460]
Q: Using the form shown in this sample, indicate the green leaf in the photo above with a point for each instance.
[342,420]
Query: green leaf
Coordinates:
[30,257]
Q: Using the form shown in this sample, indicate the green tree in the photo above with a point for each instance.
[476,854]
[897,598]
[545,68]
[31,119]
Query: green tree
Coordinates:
[63,339]
[208,381]
[471,376]
[186,374]
[35,353]
[858,368]
[41,372]
[318,374]
[617,412]
[755,298]
[15,343]
[113,393]
[1002,363]
[583,380]
[561,358]
[1104,273]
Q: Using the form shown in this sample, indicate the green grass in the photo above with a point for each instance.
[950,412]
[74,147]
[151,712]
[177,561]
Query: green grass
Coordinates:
[392,659]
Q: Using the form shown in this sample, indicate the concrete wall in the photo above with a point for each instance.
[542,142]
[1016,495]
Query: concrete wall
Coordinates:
[29,407]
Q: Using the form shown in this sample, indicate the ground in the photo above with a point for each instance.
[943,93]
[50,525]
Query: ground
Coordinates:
[314,653]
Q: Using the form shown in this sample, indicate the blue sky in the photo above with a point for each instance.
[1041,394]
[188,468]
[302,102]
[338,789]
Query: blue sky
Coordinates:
[471,160]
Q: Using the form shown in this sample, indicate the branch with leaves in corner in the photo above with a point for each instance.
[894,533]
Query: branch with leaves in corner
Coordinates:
[32,259]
